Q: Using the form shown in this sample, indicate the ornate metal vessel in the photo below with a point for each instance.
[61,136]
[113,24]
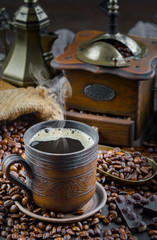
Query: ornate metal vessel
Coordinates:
[32,44]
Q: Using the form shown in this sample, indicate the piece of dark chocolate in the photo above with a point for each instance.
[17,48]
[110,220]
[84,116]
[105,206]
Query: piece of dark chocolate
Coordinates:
[151,206]
[134,210]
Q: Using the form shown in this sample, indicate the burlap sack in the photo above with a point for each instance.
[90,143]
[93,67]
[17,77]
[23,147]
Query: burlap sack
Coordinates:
[17,101]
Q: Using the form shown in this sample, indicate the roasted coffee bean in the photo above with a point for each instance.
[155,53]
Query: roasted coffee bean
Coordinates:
[118,220]
[152,232]
[59,229]
[48,227]
[13,190]
[53,231]
[46,235]
[16,197]
[7,197]
[144,170]
[121,175]
[105,219]
[107,232]
[108,238]
[114,173]
[41,225]
[137,160]
[76,229]
[60,215]
[148,175]
[112,206]
[103,179]
[63,231]
[8,203]
[37,211]
[25,233]
[2,192]
[52,214]
[15,216]
[85,227]
[38,236]
[37,230]
[123,236]
[67,237]
[89,220]
[83,234]
[98,214]
[3,187]
[97,231]
[31,227]
[10,222]
[4,233]
[94,221]
[134,176]
[79,212]
[57,237]
[78,238]
[69,231]
[112,217]
[24,201]
[153,237]
[133,238]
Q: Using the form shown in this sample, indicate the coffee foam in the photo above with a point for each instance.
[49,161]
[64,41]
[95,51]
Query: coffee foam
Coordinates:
[53,134]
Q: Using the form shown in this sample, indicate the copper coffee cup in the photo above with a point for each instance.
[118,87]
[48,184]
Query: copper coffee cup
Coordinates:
[59,182]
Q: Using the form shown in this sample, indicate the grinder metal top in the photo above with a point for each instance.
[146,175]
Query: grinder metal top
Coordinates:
[110,49]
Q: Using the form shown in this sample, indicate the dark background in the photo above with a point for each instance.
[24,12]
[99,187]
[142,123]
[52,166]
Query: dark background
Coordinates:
[77,15]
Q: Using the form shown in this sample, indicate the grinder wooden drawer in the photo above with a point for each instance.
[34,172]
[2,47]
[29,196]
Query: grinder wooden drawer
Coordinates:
[112,131]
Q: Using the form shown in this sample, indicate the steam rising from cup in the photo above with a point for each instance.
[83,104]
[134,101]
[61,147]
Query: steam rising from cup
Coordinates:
[58,87]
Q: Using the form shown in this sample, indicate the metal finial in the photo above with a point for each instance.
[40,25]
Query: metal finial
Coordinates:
[30,1]
[112,9]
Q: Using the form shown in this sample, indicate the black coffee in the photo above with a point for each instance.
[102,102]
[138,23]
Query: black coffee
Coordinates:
[61,145]
[60,141]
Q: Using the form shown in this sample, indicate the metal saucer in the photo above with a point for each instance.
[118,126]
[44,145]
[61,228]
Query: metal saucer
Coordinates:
[94,205]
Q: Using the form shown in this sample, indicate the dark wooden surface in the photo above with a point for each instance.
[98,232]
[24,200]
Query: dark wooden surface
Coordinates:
[77,15]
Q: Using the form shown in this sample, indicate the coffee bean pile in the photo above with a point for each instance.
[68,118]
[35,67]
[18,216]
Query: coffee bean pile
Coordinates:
[125,165]
[11,135]
[16,225]
[118,233]
[148,148]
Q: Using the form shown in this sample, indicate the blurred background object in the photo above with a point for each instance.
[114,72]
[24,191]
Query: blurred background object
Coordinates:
[31,45]
[77,15]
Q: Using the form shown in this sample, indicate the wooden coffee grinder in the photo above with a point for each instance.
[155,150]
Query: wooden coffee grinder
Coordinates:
[112,76]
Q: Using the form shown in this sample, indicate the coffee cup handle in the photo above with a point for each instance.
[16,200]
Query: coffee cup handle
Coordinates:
[6,165]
